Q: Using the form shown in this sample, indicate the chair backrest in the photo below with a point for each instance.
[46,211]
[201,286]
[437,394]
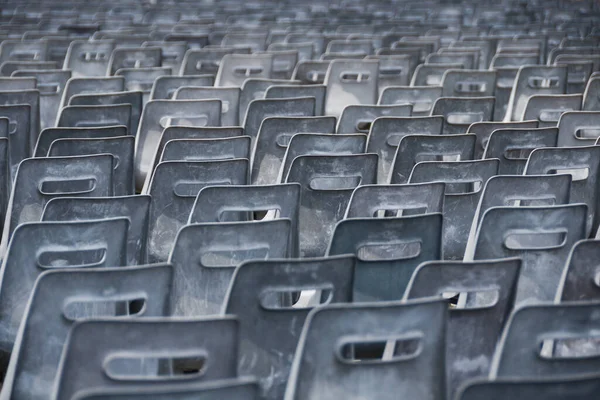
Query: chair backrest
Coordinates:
[431,74]
[388,251]
[135,208]
[327,184]
[578,128]
[591,95]
[534,334]
[350,82]
[39,246]
[583,163]
[118,363]
[512,147]
[172,52]
[281,91]
[413,149]
[89,58]
[229,96]
[130,57]
[464,183]
[311,72]
[95,116]
[63,297]
[160,114]
[547,109]
[174,187]
[50,135]
[247,203]
[532,80]
[274,136]
[165,86]
[541,236]
[255,89]
[578,282]
[17,117]
[206,149]
[387,132]
[29,50]
[468,83]
[394,70]
[359,118]
[483,130]
[321,144]
[234,69]
[142,79]
[27,97]
[91,85]
[207,60]
[262,295]
[334,335]
[121,148]
[370,201]
[460,112]
[205,256]
[485,292]
[422,98]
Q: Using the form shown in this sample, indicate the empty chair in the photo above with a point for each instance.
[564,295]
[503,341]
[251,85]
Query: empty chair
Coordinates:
[464,181]
[135,208]
[460,112]
[17,135]
[126,57]
[512,147]
[578,128]
[205,256]
[523,352]
[50,135]
[234,69]
[388,251]
[91,85]
[174,186]
[256,89]
[273,139]
[542,236]
[486,292]
[311,72]
[89,58]
[321,144]
[394,70]
[151,341]
[358,119]
[142,79]
[94,116]
[387,132]
[431,74]
[413,149]
[172,53]
[547,109]
[62,297]
[284,62]
[532,80]
[413,372]
[578,279]
[121,148]
[350,82]
[370,201]
[422,98]
[30,98]
[229,96]
[39,246]
[468,83]
[582,163]
[270,323]
[280,91]
[327,184]
[591,99]
[483,130]
[23,50]
[165,86]
[207,60]
[158,115]
[206,149]
[465,59]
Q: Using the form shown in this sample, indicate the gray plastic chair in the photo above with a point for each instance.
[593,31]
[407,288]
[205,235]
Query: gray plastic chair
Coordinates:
[39,246]
[281,91]
[229,96]
[271,324]
[247,203]
[413,149]
[89,58]
[135,208]
[172,52]
[94,116]
[234,69]
[388,251]
[350,82]
[311,72]
[464,183]
[117,364]
[547,109]
[207,60]
[513,147]
[460,112]
[476,323]
[206,149]
[387,132]
[160,114]
[370,201]
[522,350]
[358,119]
[273,139]
[422,98]
[50,135]
[578,128]
[327,184]
[26,97]
[127,57]
[541,236]
[165,86]
[468,83]
[256,89]
[121,148]
[583,163]
[413,367]
[62,297]
[174,187]
[591,95]
[483,130]
[205,256]
[431,74]
[91,85]
[17,135]
[578,282]
[27,50]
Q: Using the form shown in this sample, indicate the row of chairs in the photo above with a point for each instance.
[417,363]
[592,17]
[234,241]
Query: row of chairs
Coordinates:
[277,200]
